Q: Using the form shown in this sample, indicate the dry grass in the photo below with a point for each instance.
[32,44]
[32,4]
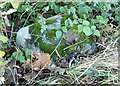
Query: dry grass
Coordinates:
[102,68]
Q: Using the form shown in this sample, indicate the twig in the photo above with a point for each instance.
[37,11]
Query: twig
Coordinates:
[30,15]
[11,32]
[32,80]
[75,44]
[116,41]
[12,73]
[101,45]
[56,46]
[70,63]
[57,53]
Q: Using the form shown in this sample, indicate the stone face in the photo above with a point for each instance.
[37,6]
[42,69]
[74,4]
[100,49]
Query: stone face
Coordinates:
[22,36]
[25,35]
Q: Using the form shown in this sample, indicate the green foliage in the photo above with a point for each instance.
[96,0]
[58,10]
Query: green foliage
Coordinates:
[3,38]
[86,22]
[87,19]
[87,30]
[83,18]
[58,33]
[20,56]
[64,29]
[2,53]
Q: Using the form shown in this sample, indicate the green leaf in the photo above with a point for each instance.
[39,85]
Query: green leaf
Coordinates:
[58,27]
[87,30]
[54,7]
[14,54]
[99,17]
[57,10]
[80,20]
[15,4]
[46,8]
[22,59]
[75,21]
[64,29]
[58,34]
[97,33]
[80,28]
[75,16]
[2,53]
[86,22]
[2,5]
[68,11]
[93,28]
[70,22]
[85,16]
[72,9]
[3,38]
[28,51]
[62,9]
[94,21]
[66,23]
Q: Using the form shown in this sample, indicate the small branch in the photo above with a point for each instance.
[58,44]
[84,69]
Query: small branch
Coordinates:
[12,74]
[57,53]
[32,80]
[30,15]
[74,44]
[56,46]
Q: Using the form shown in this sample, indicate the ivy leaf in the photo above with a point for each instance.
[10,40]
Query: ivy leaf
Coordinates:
[72,9]
[87,30]
[97,33]
[54,7]
[85,16]
[3,38]
[93,28]
[46,8]
[75,21]
[57,10]
[66,23]
[22,59]
[75,16]
[2,53]
[86,22]
[62,9]
[64,29]
[99,17]
[80,28]
[80,20]
[58,34]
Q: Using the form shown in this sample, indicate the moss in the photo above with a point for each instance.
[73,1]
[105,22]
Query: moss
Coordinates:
[50,34]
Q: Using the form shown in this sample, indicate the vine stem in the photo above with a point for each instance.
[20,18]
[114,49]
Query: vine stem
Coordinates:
[30,14]
[74,44]
[56,46]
